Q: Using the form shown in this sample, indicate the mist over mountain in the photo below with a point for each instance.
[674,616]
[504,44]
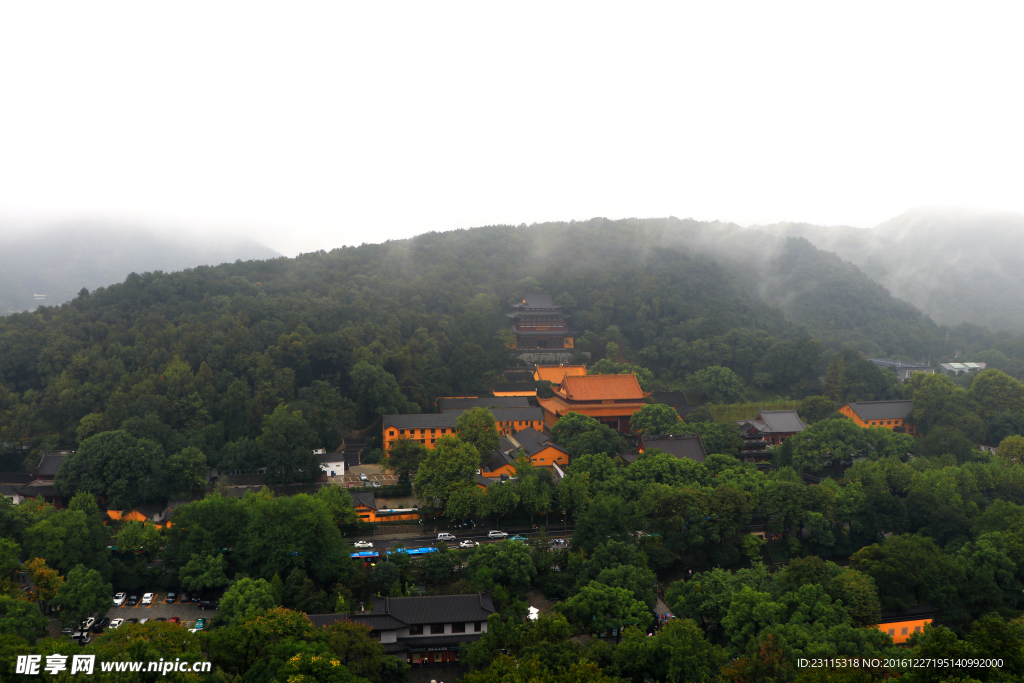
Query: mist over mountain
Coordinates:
[59,261]
[956,265]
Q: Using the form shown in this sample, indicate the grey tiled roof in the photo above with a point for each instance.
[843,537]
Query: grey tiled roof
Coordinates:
[533,442]
[422,420]
[437,609]
[50,465]
[20,478]
[446,404]
[881,410]
[363,498]
[686,446]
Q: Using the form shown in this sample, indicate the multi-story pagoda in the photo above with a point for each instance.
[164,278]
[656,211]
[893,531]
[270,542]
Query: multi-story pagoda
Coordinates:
[538,323]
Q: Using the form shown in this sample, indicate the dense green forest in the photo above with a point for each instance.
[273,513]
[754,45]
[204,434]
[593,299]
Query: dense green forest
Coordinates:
[255,364]
[201,357]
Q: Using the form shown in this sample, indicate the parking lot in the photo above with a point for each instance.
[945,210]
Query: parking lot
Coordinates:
[188,613]
[373,473]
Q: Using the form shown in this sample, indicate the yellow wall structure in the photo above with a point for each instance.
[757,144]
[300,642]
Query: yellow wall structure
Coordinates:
[888,424]
[429,436]
[900,631]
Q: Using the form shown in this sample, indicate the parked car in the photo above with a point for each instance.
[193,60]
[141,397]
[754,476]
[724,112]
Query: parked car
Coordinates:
[160,619]
[363,544]
[116,623]
[132,601]
[174,620]
[68,631]
[200,623]
[147,599]
[468,544]
[100,625]
[171,598]
[212,603]
[445,536]
[87,624]
[119,599]
[185,598]
[376,484]
[133,620]
[497,534]
[143,621]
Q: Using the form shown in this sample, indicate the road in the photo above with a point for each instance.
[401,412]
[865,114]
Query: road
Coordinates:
[478,536]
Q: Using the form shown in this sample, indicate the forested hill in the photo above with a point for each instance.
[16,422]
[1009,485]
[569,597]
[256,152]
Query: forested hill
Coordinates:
[201,357]
[59,261]
[955,265]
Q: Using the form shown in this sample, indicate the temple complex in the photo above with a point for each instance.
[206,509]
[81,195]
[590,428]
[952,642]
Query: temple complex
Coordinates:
[610,399]
[538,323]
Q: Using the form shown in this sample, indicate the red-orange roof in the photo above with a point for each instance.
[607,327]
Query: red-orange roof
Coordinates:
[601,388]
[556,373]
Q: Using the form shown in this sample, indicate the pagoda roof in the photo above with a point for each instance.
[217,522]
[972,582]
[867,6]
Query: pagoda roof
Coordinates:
[556,373]
[536,300]
[601,388]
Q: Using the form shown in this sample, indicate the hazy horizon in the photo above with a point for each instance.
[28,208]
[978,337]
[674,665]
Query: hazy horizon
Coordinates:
[328,125]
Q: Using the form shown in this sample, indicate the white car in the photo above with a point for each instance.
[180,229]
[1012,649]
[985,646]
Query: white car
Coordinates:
[119,599]
[363,544]
[445,536]
[147,599]
[496,534]
[468,544]
[87,624]
[115,623]
[143,621]
[193,630]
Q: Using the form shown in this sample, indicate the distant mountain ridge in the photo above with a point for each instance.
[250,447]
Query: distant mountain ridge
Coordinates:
[59,261]
[956,265]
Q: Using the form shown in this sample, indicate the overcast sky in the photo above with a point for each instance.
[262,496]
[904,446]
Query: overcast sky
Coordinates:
[311,125]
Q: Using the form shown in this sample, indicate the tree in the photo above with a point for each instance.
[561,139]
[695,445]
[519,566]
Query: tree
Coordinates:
[21,618]
[447,470]
[65,540]
[1011,450]
[815,408]
[247,599]
[654,418]
[507,563]
[115,465]
[339,502]
[838,438]
[352,644]
[286,447]
[301,594]
[678,653]
[995,393]
[835,380]
[717,385]
[384,578]
[909,570]
[293,531]
[205,526]
[203,571]
[476,427]
[82,594]
[377,392]
[716,437]
[404,457]
[46,582]
[582,434]
[185,472]
[637,580]
[502,499]
[598,608]
[139,537]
